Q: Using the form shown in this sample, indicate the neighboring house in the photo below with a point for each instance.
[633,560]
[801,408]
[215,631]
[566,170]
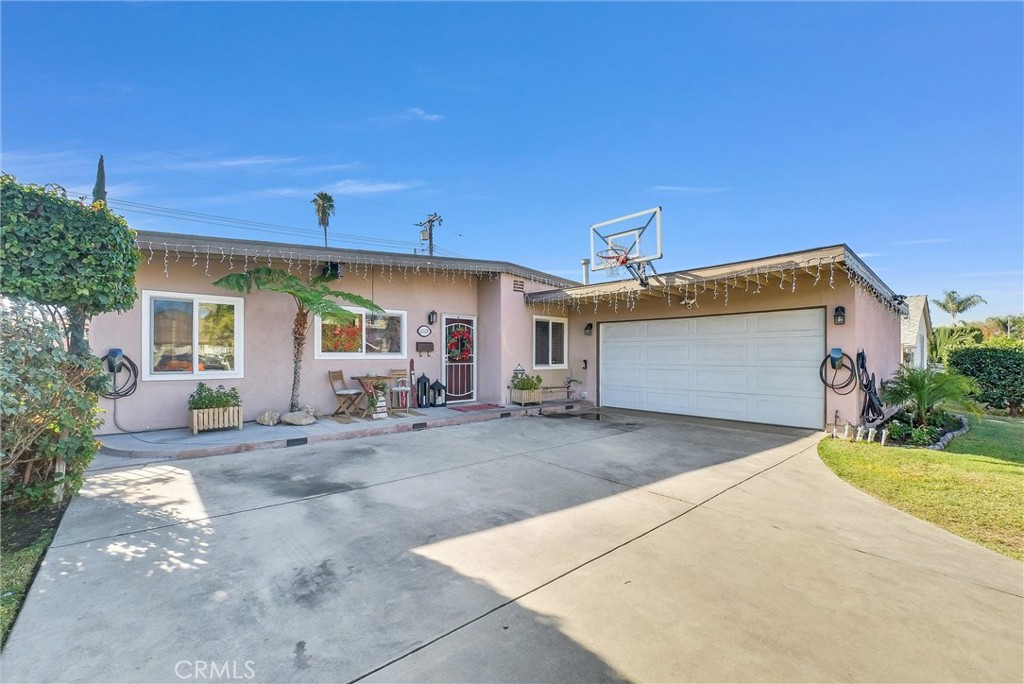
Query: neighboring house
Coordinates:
[915,331]
[739,341]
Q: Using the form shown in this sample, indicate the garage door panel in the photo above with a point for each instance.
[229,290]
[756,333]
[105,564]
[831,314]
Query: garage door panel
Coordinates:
[725,380]
[622,352]
[664,352]
[678,378]
[672,328]
[754,367]
[797,349]
[721,351]
[721,325]
[667,402]
[629,376]
[620,331]
[790,322]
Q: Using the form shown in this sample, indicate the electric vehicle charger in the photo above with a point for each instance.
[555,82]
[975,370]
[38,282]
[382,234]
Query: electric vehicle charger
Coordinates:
[840,381]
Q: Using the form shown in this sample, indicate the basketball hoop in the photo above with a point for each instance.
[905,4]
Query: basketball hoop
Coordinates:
[613,257]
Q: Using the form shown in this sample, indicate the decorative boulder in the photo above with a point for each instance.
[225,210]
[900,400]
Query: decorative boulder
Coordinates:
[312,410]
[269,418]
[298,418]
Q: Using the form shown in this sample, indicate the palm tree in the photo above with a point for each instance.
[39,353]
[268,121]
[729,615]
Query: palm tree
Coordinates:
[924,390]
[953,304]
[310,297]
[324,207]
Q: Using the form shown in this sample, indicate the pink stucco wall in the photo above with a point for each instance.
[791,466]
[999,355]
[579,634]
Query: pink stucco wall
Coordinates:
[869,326]
[266,385]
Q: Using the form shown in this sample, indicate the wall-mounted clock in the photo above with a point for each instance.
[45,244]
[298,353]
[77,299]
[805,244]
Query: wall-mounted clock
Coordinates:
[423,331]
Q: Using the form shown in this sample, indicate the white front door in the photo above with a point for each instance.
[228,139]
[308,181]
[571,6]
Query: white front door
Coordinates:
[761,368]
[459,357]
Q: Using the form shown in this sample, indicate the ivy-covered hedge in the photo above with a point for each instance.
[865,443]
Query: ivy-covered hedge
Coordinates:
[999,370]
[65,253]
[48,401]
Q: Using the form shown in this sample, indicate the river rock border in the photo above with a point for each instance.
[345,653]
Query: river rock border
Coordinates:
[949,436]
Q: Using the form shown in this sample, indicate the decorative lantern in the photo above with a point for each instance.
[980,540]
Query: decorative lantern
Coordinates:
[422,391]
[437,394]
[518,372]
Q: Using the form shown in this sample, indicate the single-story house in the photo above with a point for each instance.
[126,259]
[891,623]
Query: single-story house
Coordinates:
[915,331]
[741,341]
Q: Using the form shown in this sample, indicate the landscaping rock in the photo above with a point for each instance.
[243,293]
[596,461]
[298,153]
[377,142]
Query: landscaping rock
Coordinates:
[269,418]
[312,410]
[298,418]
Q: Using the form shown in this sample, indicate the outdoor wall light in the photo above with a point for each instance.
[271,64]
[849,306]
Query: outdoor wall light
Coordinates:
[839,316]
[432,317]
[588,329]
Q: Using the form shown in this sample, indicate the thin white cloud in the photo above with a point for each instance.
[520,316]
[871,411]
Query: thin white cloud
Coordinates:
[686,189]
[864,255]
[323,168]
[359,187]
[253,161]
[409,115]
[925,241]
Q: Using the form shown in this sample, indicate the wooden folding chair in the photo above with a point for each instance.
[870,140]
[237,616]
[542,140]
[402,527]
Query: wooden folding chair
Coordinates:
[401,390]
[347,398]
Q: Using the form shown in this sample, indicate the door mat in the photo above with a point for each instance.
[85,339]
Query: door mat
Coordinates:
[475,407]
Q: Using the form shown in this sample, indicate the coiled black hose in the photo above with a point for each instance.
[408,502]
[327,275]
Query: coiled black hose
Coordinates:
[131,382]
[873,409]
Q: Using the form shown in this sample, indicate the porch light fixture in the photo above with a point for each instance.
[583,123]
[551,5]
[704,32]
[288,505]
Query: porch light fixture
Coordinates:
[839,316]
[588,329]
[432,317]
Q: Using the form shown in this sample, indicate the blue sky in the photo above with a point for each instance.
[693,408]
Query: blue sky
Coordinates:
[759,128]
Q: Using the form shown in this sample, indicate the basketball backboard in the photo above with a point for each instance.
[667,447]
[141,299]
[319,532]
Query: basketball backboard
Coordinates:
[628,241]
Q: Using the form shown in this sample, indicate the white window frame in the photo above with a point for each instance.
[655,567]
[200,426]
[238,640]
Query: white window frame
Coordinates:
[318,353]
[565,342]
[196,299]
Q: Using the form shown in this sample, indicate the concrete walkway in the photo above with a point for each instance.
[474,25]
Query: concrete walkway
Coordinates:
[550,549]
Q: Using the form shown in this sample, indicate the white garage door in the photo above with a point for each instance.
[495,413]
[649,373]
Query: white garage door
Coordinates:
[761,367]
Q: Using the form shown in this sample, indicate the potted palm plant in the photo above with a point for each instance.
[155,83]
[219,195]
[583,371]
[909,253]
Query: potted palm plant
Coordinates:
[526,389]
[210,409]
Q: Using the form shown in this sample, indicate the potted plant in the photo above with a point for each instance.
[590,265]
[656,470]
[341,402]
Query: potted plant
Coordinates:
[378,399]
[210,409]
[526,389]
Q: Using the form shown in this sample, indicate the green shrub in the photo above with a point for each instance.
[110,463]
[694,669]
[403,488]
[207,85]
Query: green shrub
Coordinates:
[206,397]
[48,401]
[898,431]
[527,382]
[998,370]
[945,338]
[924,391]
[926,435]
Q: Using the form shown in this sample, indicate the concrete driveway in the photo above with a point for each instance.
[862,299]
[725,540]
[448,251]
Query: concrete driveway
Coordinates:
[629,548]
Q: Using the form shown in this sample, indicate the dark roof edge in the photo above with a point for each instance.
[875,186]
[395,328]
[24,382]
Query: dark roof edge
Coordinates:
[156,240]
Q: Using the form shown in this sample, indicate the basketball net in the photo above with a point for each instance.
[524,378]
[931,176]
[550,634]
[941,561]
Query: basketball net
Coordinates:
[615,258]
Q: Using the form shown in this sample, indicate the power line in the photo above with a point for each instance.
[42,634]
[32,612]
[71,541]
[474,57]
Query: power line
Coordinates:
[260,226]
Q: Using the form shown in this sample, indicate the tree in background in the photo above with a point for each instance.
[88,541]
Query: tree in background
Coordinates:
[312,297]
[953,304]
[998,367]
[1002,326]
[947,337]
[324,206]
[71,259]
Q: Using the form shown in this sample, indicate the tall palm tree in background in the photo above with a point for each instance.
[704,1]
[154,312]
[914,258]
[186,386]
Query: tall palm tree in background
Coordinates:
[324,207]
[953,304]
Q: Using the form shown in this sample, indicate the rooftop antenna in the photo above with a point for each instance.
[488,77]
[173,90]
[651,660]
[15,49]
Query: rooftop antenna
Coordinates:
[427,232]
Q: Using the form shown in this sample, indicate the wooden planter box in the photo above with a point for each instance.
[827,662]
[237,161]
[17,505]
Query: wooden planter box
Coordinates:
[524,397]
[215,418]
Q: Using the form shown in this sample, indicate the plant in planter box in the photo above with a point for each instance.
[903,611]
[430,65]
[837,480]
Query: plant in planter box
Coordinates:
[211,408]
[526,389]
[380,389]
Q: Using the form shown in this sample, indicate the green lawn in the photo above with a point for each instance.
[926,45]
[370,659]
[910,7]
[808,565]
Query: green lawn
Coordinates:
[975,488]
[24,538]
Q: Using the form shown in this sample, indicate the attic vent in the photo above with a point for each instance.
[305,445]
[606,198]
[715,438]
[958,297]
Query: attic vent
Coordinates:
[517,285]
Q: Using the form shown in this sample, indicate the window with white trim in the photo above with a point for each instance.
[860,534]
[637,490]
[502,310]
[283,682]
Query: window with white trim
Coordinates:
[550,343]
[365,336]
[188,336]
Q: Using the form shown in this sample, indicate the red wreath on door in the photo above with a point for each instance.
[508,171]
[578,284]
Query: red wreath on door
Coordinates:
[460,344]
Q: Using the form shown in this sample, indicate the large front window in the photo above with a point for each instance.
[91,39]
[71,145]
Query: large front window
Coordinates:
[191,336]
[363,335]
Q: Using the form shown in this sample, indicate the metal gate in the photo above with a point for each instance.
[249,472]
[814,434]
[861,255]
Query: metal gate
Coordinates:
[460,357]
